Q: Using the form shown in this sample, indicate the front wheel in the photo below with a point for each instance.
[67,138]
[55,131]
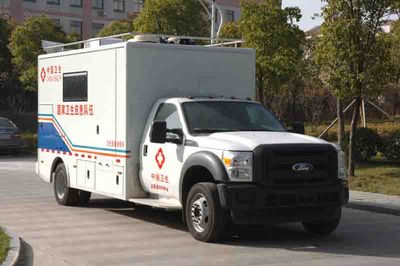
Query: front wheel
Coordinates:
[322,227]
[64,195]
[204,216]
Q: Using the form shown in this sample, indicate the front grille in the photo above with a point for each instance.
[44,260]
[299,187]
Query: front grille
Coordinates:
[273,164]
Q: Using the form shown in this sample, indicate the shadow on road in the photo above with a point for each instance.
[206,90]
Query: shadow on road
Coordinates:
[360,233]
[152,215]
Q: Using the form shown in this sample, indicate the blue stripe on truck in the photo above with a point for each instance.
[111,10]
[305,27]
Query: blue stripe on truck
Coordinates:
[48,138]
[81,146]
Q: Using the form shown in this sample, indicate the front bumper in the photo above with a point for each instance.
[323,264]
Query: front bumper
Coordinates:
[253,204]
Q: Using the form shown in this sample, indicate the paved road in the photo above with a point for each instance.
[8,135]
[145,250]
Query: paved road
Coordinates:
[111,232]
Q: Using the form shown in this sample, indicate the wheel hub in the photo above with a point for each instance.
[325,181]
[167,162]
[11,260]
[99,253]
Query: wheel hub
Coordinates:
[200,213]
[61,186]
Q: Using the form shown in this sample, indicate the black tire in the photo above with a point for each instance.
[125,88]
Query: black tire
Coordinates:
[64,195]
[322,227]
[83,197]
[210,227]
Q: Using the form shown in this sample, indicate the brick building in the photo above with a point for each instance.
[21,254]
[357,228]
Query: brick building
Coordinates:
[87,17]
[84,17]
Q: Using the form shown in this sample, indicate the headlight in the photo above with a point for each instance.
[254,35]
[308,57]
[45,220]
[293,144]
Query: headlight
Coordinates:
[239,165]
[342,169]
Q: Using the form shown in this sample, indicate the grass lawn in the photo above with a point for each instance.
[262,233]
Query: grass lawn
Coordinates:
[377,177]
[4,245]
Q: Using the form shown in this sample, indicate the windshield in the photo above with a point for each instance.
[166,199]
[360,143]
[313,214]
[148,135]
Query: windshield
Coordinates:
[219,116]
[6,123]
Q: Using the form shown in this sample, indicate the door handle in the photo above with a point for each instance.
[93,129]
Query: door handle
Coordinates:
[145,150]
[88,174]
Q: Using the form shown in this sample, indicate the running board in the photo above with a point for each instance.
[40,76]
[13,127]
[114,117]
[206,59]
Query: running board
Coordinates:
[163,203]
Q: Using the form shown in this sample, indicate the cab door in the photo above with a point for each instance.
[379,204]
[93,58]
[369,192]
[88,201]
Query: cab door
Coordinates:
[162,163]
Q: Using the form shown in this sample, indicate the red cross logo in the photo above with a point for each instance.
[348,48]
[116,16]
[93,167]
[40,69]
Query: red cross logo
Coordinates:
[160,158]
[43,74]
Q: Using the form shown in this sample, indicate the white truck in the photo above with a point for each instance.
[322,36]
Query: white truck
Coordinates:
[173,126]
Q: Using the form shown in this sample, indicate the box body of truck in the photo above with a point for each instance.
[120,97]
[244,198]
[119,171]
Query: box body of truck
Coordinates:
[94,105]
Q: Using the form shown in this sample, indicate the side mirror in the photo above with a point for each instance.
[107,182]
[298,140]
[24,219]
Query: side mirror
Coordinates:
[298,127]
[158,132]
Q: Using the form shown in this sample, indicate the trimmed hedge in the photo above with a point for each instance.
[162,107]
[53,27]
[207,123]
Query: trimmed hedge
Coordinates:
[368,144]
[391,147]
[30,140]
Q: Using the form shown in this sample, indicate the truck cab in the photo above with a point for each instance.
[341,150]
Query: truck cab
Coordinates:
[232,159]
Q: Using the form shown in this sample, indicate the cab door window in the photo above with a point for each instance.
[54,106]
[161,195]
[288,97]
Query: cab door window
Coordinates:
[169,113]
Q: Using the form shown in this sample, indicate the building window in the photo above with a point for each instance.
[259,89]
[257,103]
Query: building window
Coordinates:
[229,15]
[119,5]
[53,2]
[96,27]
[75,87]
[98,4]
[76,27]
[76,3]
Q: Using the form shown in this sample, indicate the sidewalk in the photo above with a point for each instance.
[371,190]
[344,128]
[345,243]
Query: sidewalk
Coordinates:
[374,202]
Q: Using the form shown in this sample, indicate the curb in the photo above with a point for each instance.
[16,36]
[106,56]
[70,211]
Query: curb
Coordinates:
[373,208]
[15,248]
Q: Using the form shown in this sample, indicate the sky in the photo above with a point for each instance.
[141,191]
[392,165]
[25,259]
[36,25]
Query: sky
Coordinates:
[308,9]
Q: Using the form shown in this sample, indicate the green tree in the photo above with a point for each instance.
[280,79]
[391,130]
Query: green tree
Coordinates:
[26,46]
[117,27]
[353,54]
[231,30]
[5,62]
[277,40]
[395,52]
[175,17]
[5,55]
[391,94]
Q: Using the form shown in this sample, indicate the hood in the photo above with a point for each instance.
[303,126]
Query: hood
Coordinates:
[248,140]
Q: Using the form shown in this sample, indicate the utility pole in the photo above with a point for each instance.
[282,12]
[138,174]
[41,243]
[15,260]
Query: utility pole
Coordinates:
[213,14]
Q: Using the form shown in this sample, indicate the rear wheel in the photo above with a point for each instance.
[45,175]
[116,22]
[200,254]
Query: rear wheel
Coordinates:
[205,218]
[64,195]
[322,227]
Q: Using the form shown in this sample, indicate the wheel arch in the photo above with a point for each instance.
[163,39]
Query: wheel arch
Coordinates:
[56,162]
[201,166]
